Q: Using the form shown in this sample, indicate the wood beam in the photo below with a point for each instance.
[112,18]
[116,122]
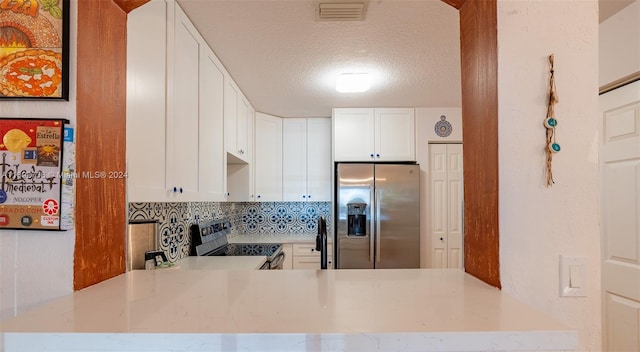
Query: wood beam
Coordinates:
[455,3]
[101,207]
[479,58]
[129,5]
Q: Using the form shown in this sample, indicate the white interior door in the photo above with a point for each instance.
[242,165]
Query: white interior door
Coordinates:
[446,193]
[455,197]
[620,197]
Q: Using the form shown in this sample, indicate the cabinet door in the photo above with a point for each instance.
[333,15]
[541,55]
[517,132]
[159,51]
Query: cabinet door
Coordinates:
[183,116]
[353,134]
[310,263]
[236,118]
[294,159]
[212,166]
[395,134]
[268,157]
[306,257]
[251,152]
[240,180]
[318,159]
[230,115]
[146,97]
[242,133]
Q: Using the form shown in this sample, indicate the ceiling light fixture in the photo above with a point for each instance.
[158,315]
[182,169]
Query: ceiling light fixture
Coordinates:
[353,82]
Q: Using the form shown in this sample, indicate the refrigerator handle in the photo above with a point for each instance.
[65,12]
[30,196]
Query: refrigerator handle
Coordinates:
[377,203]
[372,220]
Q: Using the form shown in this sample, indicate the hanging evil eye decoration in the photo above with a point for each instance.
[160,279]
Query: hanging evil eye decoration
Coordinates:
[443,128]
[550,122]
[554,147]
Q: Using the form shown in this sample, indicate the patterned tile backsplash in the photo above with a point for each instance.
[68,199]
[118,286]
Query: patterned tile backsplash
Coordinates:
[174,219]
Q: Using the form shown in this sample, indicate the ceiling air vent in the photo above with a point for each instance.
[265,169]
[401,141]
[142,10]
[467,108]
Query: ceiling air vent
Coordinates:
[341,11]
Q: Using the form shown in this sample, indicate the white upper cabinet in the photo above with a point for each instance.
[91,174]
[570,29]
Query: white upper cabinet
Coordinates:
[306,154]
[146,99]
[294,159]
[368,134]
[174,109]
[319,164]
[237,114]
[212,166]
[230,114]
[183,107]
[239,119]
[242,134]
[353,133]
[268,158]
[395,134]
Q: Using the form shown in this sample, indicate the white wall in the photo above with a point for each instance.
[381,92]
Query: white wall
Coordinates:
[538,224]
[37,266]
[620,44]
[426,119]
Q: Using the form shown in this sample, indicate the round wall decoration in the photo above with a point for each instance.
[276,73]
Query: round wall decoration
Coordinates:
[443,127]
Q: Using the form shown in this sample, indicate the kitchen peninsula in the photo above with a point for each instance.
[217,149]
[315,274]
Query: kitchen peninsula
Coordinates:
[287,310]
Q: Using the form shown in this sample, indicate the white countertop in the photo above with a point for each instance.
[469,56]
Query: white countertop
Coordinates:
[287,310]
[220,263]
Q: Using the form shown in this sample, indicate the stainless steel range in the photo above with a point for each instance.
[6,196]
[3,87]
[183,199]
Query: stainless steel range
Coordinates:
[210,239]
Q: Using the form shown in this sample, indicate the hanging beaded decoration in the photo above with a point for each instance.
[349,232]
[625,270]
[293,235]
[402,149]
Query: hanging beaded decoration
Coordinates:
[550,122]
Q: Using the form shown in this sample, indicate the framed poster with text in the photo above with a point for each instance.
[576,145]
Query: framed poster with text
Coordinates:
[31,173]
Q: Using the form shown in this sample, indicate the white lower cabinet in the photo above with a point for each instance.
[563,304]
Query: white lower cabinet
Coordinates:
[305,256]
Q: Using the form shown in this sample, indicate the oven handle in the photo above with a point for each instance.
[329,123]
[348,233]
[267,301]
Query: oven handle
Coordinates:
[277,262]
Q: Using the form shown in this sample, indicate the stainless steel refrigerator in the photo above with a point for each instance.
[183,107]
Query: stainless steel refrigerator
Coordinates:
[378,216]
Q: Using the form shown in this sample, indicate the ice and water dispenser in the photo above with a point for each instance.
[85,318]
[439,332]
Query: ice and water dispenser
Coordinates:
[356,219]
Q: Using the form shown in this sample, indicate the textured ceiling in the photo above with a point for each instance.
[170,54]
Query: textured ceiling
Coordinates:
[286,62]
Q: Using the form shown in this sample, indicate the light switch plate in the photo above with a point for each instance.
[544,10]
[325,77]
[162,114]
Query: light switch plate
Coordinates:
[573,276]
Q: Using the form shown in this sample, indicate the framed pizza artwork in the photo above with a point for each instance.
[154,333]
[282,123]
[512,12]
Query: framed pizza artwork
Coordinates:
[34,50]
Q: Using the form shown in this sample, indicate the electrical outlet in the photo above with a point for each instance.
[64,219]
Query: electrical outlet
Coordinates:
[573,275]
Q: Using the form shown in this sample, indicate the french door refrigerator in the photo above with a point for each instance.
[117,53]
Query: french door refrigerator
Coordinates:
[378,216]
